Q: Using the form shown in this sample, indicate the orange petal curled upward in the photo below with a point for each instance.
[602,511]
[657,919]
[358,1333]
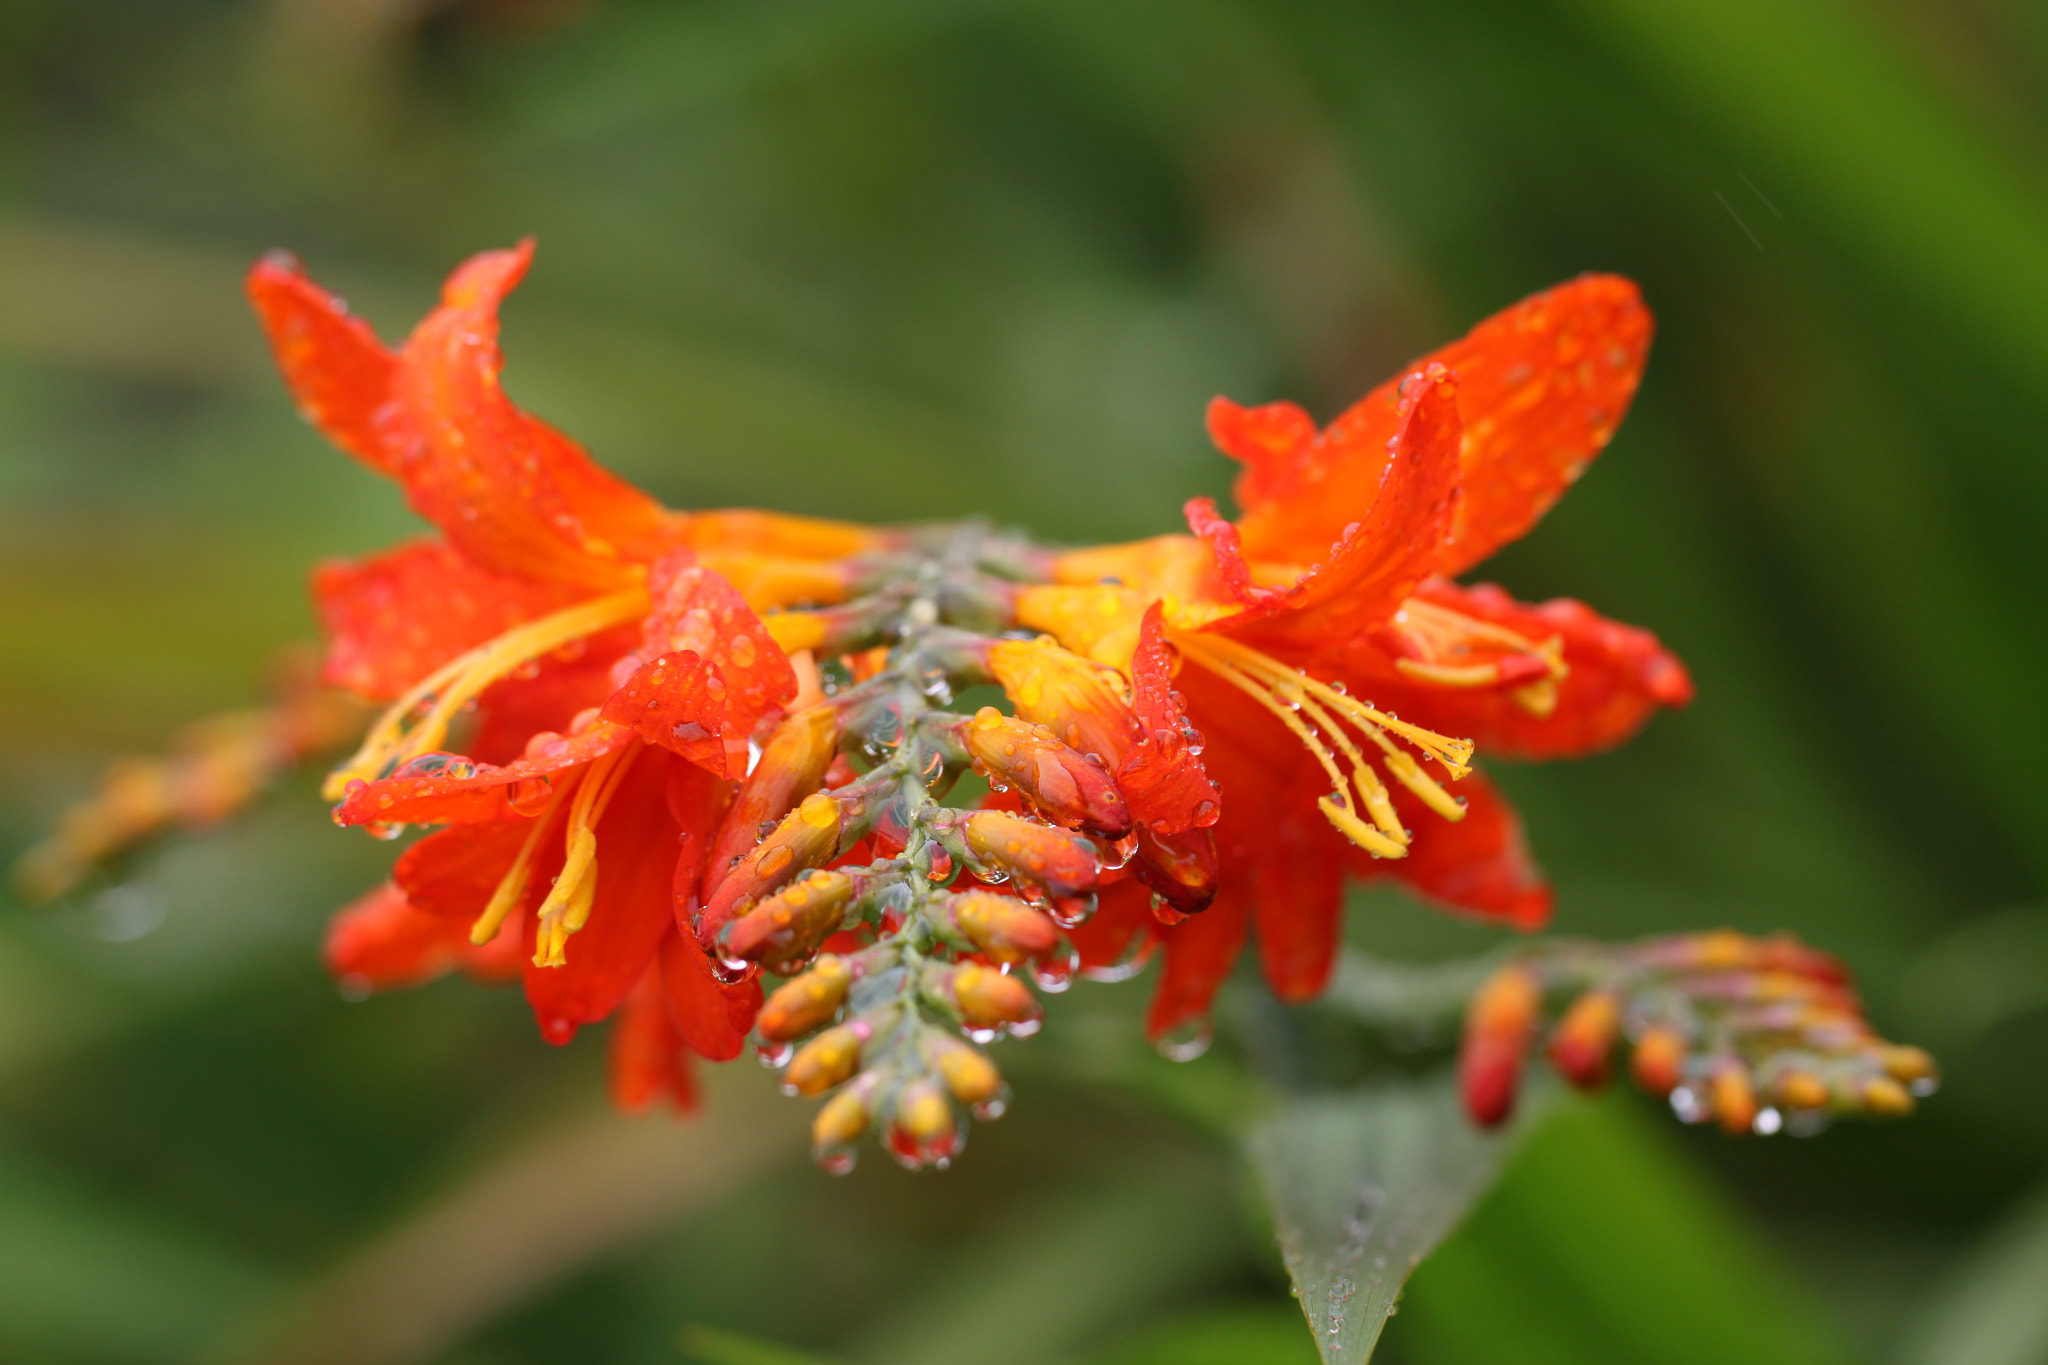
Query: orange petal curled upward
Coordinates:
[1162,777]
[1542,387]
[382,941]
[1374,557]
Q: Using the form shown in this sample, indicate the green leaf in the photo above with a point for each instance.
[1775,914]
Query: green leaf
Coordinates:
[1362,1186]
[1993,1310]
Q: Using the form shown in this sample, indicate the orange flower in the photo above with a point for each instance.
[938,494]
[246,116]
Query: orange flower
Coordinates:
[1335,587]
[603,653]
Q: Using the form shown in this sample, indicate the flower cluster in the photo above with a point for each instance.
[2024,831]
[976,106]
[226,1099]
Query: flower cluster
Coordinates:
[668,754]
[1760,1035]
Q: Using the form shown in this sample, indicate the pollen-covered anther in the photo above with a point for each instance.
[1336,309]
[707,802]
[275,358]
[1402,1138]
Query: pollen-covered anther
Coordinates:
[417,723]
[1010,846]
[1435,645]
[1324,721]
[805,1003]
[787,927]
[1002,927]
[1054,777]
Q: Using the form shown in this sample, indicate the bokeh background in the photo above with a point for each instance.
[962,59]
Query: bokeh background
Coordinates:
[897,258]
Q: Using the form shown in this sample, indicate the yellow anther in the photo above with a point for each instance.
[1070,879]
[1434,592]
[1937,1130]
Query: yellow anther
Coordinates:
[567,907]
[1316,714]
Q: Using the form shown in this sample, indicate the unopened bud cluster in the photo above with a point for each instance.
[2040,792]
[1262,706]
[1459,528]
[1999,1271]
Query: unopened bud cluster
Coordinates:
[1758,1035]
[907,928]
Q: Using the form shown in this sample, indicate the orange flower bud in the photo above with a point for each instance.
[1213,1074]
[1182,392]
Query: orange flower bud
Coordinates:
[792,763]
[986,998]
[1584,1040]
[805,1003]
[1065,864]
[1659,1061]
[840,1120]
[788,926]
[969,1074]
[806,837]
[1180,868]
[1885,1098]
[1499,1024]
[825,1061]
[1908,1064]
[923,1114]
[1732,1095]
[1801,1090]
[1086,705]
[1057,780]
[1003,927]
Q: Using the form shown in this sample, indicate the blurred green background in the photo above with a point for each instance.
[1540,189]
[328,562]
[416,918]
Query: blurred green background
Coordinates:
[896,258]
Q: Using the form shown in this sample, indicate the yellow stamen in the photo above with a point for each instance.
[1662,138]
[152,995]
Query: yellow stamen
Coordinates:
[511,887]
[1444,635]
[567,907]
[1315,714]
[398,736]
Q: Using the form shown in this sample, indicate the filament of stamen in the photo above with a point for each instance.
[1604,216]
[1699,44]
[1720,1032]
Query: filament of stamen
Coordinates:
[567,907]
[511,887]
[397,736]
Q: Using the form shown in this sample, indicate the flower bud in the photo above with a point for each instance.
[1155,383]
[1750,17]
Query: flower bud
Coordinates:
[1883,1097]
[968,1073]
[1499,1025]
[806,837]
[787,927]
[1732,1096]
[805,1003]
[828,1059]
[1057,780]
[1086,705]
[1907,1064]
[1180,868]
[1002,927]
[792,763]
[1584,1040]
[840,1120]
[986,998]
[924,1130]
[1065,864]
[1659,1061]
[1801,1090]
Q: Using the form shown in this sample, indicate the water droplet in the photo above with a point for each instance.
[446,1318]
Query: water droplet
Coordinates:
[1070,912]
[731,971]
[1767,1122]
[773,1055]
[837,1159]
[1186,1042]
[1054,972]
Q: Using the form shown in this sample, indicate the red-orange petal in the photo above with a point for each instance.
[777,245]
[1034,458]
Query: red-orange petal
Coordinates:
[636,845]
[1542,387]
[1123,915]
[338,371]
[711,1015]
[714,670]
[510,491]
[452,873]
[439,789]
[1380,556]
[381,941]
[1299,910]
[395,617]
[1162,778]
[1199,953]
[648,1064]
[1619,676]
[1479,866]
